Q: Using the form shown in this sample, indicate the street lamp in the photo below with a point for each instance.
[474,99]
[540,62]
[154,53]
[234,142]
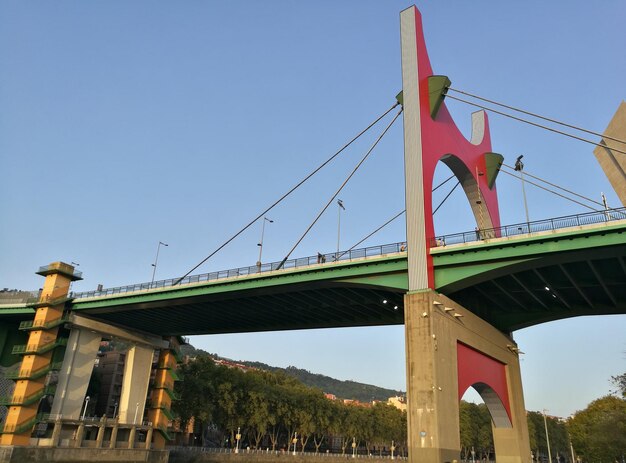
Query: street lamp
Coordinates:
[339,208]
[545,423]
[136,412]
[295,441]
[354,447]
[238,436]
[393,447]
[260,244]
[85,409]
[156,261]
[519,167]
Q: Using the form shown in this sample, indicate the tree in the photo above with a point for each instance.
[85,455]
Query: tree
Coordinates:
[322,421]
[598,433]
[386,419]
[471,422]
[620,383]
[197,391]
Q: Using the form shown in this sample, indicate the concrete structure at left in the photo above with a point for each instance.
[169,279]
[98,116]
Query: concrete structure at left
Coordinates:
[38,353]
[68,343]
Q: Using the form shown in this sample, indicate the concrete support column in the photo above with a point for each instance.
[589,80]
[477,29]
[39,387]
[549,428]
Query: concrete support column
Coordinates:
[131,437]
[149,437]
[113,442]
[435,326]
[56,433]
[137,370]
[101,429]
[75,373]
[432,404]
[512,445]
[80,432]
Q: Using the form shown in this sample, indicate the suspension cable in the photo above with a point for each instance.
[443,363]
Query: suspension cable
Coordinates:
[390,220]
[315,171]
[603,145]
[444,182]
[447,196]
[538,116]
[339,190]
[374,232]
[557,186]
[550,191]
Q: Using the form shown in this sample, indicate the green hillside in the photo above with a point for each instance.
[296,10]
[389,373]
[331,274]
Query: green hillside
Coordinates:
[341,389]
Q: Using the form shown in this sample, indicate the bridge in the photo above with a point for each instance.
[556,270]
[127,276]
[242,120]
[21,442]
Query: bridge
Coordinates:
[459,297]
[565,267]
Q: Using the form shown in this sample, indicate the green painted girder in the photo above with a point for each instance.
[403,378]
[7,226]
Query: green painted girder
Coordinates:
[327,295]
[16,310]
[502,280]
[461,264]
[519,282]
[371,271]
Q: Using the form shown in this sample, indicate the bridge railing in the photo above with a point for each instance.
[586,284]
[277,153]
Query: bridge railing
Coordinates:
[348,255]
[537,226]
[523,228]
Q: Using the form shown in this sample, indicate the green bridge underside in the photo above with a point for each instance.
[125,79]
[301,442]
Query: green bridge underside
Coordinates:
[510,282]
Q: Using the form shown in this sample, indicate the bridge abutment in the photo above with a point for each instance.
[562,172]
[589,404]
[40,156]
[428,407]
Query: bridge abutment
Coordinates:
[449,349]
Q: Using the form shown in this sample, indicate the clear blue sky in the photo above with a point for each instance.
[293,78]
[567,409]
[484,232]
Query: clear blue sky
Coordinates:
[127,123]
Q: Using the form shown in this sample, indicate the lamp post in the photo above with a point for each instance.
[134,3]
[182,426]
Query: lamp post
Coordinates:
[519,167]
[156,261]
[339,208]
[238,436]
[85,409]
[545,423]
[354,447]
[295,441]
[260,243]
[393,447]
[136,412]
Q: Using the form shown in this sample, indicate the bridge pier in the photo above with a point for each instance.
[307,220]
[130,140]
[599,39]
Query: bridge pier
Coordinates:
[135,384]
[75,373]
[449,349]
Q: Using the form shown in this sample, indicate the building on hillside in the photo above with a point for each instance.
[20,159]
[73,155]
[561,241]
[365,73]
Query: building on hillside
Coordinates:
[357,403]
[398,401]
[231,364]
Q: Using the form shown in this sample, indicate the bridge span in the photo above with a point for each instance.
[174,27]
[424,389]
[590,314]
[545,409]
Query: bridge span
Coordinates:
[565,267]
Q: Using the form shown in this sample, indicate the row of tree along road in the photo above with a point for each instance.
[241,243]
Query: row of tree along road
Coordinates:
[256,409]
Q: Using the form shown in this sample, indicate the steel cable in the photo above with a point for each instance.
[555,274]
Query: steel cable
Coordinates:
[315,171]
[282,263]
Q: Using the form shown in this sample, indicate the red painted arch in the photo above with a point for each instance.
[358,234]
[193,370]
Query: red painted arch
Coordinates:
[441,136]
[476,368]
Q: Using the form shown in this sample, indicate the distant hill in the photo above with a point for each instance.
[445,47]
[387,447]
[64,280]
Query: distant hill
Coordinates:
[341,389]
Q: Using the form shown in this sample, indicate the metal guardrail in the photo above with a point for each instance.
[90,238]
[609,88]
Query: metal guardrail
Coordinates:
[63,268]
[523,228]
[38,349]
[323,454]
[344,256]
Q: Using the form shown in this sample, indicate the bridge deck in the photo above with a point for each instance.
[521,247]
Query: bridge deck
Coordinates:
[511,279]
